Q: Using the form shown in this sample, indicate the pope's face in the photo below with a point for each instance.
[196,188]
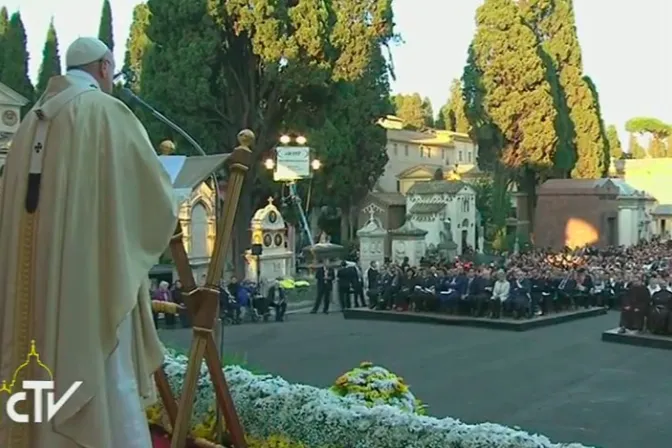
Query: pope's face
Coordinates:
[106,73]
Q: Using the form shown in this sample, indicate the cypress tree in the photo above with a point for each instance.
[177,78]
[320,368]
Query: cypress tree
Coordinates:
[614,143]
[428,112]
[518,105]
[137,44]
[452,116]
[554,24]
[4,24]
[15,66]
[105,30]
[635,149]
[51,60]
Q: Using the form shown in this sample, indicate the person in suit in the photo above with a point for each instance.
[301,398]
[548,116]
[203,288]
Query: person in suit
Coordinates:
[566,290]
[357,284]
[584,284]
[372,284]
[346,277]
[519,293]
[480,292]
[325,282]
[451,291]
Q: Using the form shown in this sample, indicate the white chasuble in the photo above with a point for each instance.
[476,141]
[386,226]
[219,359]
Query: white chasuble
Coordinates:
[86,209]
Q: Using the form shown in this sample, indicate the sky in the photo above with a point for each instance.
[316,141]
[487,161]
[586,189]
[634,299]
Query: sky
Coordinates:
[623,43]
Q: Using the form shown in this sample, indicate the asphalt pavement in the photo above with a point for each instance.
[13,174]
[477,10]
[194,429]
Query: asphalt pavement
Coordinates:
[561,381]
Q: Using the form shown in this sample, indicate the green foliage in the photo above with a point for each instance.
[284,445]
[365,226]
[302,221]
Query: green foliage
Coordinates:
[428,112]
[105,29]
[137,45]
[452,116]
[635,149]
[15,64]
[493,201]
[4,24]
[554,25]
[668,146]
[217,67]
[615,146]
[438,174]
[648,125]
[51,60]
[519,105]
[413,111]
[606,146]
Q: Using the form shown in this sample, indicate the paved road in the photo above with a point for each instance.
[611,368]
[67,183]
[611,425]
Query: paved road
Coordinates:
[561,381]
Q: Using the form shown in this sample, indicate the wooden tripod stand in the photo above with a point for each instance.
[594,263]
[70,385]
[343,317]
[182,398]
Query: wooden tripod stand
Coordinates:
[202,304]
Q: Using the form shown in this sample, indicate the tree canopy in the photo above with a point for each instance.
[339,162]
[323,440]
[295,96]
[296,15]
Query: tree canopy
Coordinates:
[452,116]
[514,113]
[105,28]
[217,67]
[415,112]
[51,60]
[4,24]
[15,59]
[554,25]
[635,149]
[137,45]
[648,125]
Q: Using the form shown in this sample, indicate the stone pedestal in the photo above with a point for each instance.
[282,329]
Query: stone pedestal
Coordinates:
[268,229]
[408,241]
[371,242]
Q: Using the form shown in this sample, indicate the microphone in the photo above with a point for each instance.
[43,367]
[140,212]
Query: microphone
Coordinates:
[129,97]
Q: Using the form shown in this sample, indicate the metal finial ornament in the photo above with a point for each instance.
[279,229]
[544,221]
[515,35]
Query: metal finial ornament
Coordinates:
[167,148]
[246,138]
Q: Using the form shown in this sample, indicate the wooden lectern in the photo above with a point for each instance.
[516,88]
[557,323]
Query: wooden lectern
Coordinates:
[203,304]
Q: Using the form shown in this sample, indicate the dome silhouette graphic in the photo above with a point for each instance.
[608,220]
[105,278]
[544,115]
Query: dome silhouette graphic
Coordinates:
[32,357]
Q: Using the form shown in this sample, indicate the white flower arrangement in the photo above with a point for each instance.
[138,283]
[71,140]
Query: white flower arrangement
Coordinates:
[269,406]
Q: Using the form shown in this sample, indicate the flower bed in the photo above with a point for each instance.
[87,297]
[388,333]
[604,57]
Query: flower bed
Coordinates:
[296,415]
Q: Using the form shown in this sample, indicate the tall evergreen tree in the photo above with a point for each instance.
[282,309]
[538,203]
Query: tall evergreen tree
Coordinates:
[452,116]
[137,44]
[635,149]
[614,143]
[15,66]
[428,112]
[4,24]
[51,60]
[518,106]
[411,109]
[105,29]
[555,26]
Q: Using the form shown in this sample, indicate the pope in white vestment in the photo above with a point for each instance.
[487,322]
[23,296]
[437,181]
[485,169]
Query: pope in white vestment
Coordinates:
[86,209]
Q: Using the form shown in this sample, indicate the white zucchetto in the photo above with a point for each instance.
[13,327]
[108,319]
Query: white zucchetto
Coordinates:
[85,50]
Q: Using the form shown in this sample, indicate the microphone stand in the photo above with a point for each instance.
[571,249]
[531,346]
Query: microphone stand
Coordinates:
[128,93]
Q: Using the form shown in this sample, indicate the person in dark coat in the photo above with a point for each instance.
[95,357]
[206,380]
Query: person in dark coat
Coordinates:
[372,284]
[324,277]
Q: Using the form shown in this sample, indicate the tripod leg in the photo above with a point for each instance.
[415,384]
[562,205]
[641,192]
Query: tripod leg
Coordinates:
[166,395]
[223,394]
[188,393]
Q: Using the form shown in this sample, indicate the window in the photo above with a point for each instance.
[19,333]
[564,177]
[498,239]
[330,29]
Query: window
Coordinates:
[406,150]
[398,187]
[465,205]
[395,148]
[459,156]
[422,151]
[443,154]
[469,156]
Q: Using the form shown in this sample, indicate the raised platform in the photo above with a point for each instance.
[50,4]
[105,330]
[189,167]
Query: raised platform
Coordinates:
[638,339]
[467,321]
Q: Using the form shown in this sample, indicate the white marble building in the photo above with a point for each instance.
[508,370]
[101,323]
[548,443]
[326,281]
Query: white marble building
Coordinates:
[432,204]
[635,208]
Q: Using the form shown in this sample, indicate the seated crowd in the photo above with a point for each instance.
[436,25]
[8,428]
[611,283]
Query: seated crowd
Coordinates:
[521,285]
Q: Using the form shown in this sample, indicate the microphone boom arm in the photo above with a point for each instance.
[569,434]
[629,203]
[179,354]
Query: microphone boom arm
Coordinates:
[165,120]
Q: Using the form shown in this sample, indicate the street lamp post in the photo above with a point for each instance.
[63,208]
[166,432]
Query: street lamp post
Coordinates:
[293,162]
